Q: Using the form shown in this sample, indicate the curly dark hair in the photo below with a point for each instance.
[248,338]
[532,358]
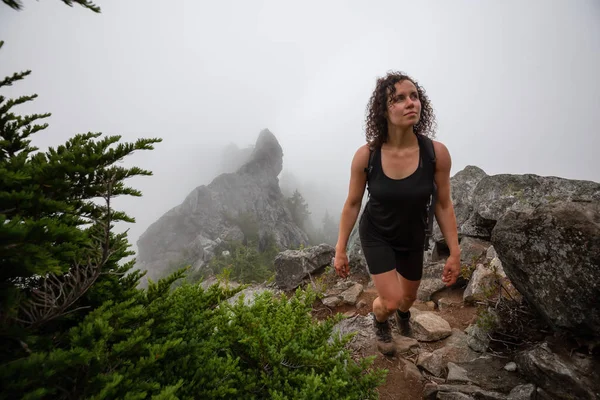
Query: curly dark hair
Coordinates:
[376,122]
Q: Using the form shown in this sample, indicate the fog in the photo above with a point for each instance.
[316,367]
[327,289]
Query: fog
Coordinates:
[514,84]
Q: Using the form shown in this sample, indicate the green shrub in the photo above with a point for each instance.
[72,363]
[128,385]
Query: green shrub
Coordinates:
[187,343]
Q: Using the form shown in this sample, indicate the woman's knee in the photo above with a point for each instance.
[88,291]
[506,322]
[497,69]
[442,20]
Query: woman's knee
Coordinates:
[394,303]
[409,298]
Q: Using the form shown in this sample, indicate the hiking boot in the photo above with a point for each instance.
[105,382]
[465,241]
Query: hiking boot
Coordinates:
[383,335]
[403,323]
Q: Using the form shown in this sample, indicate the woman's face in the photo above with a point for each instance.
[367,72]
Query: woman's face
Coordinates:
[404,107]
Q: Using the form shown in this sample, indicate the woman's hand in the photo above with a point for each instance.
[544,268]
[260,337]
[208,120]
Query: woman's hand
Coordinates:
[451,270]
[340,263]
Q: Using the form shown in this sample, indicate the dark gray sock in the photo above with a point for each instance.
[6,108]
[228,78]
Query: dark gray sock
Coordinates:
[403,315]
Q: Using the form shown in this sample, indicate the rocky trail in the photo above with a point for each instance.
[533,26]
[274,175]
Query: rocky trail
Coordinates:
[474,340]
[420,365]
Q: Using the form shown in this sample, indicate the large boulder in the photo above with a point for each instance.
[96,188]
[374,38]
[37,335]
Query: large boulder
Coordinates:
[496,195]
[462,187]
[480,200]
[292,266]
[552,256]
[561,374]
[234,206]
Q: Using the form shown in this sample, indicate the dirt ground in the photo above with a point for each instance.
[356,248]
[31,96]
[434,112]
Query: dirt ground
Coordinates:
[399,384]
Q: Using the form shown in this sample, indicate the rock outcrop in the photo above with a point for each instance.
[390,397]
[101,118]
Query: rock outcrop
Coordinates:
[552,256]
[480,200]
[233,206]
[496,195]
[563,376]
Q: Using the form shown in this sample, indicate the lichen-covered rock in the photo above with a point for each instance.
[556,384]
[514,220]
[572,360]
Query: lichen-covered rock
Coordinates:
[552,256]
[562,376]
[481,286]
[496,195]
[292,266]
[473,250]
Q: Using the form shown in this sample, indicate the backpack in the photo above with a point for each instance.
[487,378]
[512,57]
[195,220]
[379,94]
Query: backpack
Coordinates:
[426,144]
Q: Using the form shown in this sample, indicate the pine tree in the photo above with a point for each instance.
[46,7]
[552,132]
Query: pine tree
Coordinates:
[299,208]
[56,218]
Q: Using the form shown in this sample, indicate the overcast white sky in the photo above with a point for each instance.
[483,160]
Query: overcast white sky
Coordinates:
[515,84]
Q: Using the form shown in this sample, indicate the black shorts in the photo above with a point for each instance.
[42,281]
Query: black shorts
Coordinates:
[383,257]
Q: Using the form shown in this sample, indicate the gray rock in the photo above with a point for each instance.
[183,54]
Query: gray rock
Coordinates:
[431,282]
[478,339]
[362,326]
[429,327]
[473,250]
[496,195]
[456,348]
[490,254]
[292,266]
[552,256]
[453,396]
[356,258]
[233,207]
[457,374]
[510,367]
[561,376]
[350,295]
[250,293]
[431,362]
[488,373]
[332,301]
[481,285]
[432,391]
[522,392]
[405,344]
[496,266]
[462,185]
[411,371]
[340,286]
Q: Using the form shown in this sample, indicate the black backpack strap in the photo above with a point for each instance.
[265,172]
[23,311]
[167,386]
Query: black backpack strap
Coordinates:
[430,156]
[369,166]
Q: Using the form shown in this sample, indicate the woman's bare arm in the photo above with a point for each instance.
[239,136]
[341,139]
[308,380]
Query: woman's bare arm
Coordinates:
[356,190]
[444,212]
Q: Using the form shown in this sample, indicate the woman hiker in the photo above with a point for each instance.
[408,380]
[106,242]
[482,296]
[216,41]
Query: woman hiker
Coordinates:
[402,168]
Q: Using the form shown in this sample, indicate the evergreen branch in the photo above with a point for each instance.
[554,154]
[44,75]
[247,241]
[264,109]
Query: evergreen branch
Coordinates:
[27,120]
[84,3]
[15,102]
[55,295]
[17,5]
[8,81]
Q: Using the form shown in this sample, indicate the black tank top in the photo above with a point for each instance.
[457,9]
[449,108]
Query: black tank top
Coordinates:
[396,211]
